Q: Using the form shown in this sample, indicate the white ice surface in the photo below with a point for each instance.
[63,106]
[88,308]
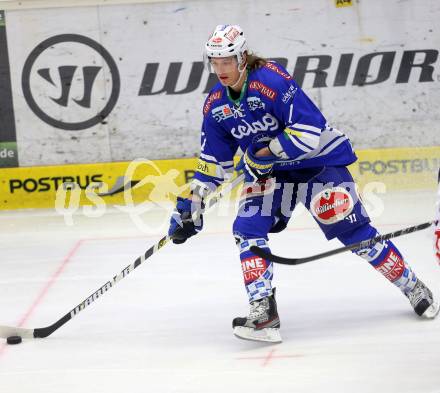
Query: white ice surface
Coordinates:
[167,326]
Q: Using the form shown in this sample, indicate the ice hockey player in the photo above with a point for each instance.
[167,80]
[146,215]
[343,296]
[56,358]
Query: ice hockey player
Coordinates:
[437,228]
[291,155]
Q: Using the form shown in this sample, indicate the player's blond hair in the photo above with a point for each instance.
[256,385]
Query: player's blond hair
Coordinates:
[254,61]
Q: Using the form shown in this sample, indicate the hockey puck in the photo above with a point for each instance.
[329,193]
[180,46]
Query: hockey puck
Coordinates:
[12,340]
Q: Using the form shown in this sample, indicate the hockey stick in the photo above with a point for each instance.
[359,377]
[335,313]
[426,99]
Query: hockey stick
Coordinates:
[363,244]
[7,331]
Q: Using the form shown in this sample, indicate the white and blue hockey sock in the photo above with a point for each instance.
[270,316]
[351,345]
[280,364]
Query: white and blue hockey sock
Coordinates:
[383,256]
[257,272]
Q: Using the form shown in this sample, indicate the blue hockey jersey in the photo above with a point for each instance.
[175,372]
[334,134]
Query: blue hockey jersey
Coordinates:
[271,103]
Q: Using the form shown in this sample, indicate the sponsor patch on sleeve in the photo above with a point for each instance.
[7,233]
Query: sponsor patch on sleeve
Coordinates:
[216,95]
[273,67]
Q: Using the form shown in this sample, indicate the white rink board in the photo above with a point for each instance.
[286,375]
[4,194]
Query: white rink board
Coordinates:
[164,125]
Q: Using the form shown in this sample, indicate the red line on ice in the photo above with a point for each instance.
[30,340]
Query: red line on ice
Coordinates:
[52,279]
[269,357]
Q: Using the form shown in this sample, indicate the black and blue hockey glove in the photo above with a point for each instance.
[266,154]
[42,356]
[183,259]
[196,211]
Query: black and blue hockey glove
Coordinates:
[182,225]
[256,168]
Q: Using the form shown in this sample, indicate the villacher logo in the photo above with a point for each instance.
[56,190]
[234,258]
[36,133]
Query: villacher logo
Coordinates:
[65,81]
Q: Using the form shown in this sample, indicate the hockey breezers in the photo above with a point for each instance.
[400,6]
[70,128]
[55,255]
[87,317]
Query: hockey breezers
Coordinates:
[363,244]
[7,331]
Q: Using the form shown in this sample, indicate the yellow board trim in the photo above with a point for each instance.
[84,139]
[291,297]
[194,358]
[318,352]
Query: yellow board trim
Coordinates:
[36,187]
[343,3]
[209,168]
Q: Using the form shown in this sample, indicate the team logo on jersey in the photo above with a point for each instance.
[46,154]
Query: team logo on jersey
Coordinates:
[332,205]
[216,95]
[238,111]
[255,103]
[267,123]
[263,89]
[253,268]
[288,95]
[392,267]
[222,113]
[275,68]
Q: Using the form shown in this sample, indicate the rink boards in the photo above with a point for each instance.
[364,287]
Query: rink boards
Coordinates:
[129,183]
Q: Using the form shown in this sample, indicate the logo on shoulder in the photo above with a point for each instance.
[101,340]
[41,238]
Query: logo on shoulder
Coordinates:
[216,95]
[273,67]
[288,95]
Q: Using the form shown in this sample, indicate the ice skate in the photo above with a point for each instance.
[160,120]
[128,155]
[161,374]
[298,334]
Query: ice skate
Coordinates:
[422,301]
[262,323]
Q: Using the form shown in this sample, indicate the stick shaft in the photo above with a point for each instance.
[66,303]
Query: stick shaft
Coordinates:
[6,331]
[363,244]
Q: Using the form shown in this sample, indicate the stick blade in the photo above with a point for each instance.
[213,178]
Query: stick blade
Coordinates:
[7,331]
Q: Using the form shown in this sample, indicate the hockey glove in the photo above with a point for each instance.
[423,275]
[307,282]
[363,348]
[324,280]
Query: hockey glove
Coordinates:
[255,168]
[437,244]
[182,225]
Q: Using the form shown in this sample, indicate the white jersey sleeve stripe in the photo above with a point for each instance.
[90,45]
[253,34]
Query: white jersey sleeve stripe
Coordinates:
[226,163]
[208,157]
[331,146]
[304,137]
[223,166]
[300,145]
[307,127]
[317,134]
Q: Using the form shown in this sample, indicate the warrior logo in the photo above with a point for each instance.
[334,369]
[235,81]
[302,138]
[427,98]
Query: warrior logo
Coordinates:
[63,86]
[331,205]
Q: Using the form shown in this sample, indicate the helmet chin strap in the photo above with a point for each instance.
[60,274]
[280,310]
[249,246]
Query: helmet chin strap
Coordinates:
[241,71]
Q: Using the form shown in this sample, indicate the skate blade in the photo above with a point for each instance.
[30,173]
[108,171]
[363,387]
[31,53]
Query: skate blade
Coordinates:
[432,311]
[270,335]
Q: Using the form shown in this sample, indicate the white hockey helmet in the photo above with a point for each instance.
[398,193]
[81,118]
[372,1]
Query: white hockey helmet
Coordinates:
[225,41]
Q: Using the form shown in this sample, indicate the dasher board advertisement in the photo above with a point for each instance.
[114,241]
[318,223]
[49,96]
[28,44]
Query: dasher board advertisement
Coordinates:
[113,83]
